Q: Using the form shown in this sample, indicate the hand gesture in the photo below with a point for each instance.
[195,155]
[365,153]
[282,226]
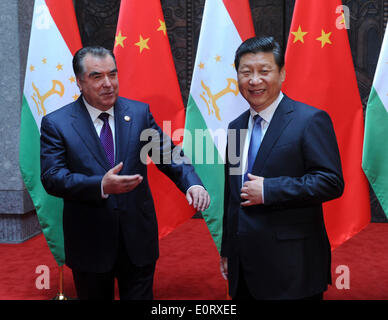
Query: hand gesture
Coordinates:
[112,183]
[198,197]
[252,191]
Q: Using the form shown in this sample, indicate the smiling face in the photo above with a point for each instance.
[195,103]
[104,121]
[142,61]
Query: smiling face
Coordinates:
[99,82]
[260,79]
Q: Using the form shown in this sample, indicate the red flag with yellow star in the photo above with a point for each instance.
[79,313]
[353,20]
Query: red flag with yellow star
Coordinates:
[320,72]
[147,73]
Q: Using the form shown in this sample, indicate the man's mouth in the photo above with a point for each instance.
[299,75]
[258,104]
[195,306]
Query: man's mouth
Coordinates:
[257,92]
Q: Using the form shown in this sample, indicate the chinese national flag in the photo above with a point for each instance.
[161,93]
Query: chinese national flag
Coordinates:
[320,72]
[147,73]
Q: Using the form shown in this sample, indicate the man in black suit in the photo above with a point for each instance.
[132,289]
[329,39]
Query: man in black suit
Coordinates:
[275,244]
[91,154]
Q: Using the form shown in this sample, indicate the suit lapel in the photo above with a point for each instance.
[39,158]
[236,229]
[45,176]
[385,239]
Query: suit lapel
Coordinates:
[123,125]
[83,125]
[279,122]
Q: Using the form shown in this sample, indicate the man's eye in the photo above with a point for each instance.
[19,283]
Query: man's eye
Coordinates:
[245,72]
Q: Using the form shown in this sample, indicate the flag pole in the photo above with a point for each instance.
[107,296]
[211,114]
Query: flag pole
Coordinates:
[60,295]
[227,291]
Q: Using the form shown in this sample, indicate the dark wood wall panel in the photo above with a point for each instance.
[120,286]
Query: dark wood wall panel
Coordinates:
[98,18]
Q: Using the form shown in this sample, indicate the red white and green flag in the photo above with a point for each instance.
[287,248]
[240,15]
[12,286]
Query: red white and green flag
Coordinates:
[215,100]
[49,84]
[375,154]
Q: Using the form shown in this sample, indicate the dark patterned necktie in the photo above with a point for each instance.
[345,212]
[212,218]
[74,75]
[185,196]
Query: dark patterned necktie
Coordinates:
[254,144]
[106,138]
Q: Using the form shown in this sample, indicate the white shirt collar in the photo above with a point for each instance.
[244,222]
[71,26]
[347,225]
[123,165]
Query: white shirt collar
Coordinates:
[268,112]
[94,112]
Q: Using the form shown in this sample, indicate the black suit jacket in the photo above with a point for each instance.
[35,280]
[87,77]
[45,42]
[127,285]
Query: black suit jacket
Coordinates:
[73,163]
[282,245]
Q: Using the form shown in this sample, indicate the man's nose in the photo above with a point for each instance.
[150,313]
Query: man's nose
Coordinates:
[255,79]
[107,82]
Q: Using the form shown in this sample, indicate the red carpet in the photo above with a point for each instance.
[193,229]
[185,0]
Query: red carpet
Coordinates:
[188,268]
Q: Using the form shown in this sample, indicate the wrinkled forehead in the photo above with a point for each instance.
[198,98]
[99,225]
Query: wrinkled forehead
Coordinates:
[98,64]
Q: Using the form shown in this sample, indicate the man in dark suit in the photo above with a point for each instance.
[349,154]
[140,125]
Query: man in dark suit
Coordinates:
[275,244]
[93,156]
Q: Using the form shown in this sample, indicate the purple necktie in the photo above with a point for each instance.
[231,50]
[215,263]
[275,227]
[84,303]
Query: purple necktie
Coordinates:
[106,138]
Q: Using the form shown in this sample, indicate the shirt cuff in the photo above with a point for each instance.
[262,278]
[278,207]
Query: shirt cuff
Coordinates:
[194,185]
[103,195]
[262,192]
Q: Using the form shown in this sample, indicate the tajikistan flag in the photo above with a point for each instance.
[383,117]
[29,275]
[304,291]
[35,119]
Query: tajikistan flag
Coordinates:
[214,99]
[49,84]
[375,152]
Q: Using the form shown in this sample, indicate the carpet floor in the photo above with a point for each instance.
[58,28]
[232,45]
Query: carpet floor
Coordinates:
[188,267]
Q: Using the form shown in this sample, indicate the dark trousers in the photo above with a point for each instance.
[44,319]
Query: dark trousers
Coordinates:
[243,294]
[134,282]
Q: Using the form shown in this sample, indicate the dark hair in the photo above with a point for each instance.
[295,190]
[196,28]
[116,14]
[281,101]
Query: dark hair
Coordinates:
[260,44]
[95,51]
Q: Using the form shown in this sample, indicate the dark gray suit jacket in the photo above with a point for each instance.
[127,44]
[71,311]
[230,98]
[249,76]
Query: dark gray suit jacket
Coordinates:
[73,163]
[282,245]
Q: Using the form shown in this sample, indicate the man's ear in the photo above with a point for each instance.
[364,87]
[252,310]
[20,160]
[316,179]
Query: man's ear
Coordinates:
[79,84]
[283,74]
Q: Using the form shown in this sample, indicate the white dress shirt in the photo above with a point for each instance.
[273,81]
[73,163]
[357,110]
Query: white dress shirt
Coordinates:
[98,123]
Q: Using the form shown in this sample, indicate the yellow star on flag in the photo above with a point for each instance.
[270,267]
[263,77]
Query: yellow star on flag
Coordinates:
[32,68]
[142,44]
[218,58]
[201,65]
[59,66]
[72,79]
[44,60]
[75,97]
[162,27]
[120,40]
[324,38]
[299,34]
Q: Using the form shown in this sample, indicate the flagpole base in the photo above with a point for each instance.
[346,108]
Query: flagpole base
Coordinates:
[60,296]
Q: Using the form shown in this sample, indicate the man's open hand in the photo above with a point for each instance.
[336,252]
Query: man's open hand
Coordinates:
[112,183]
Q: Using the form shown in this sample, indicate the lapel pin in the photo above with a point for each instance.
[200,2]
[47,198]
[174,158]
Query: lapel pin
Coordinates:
[127,118]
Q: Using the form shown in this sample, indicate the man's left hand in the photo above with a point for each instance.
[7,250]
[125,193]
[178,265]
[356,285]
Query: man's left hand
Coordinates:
[198,197]
[252,191]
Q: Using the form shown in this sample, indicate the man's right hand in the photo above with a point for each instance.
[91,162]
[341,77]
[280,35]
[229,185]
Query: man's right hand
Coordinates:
[112,183]
[224,267]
